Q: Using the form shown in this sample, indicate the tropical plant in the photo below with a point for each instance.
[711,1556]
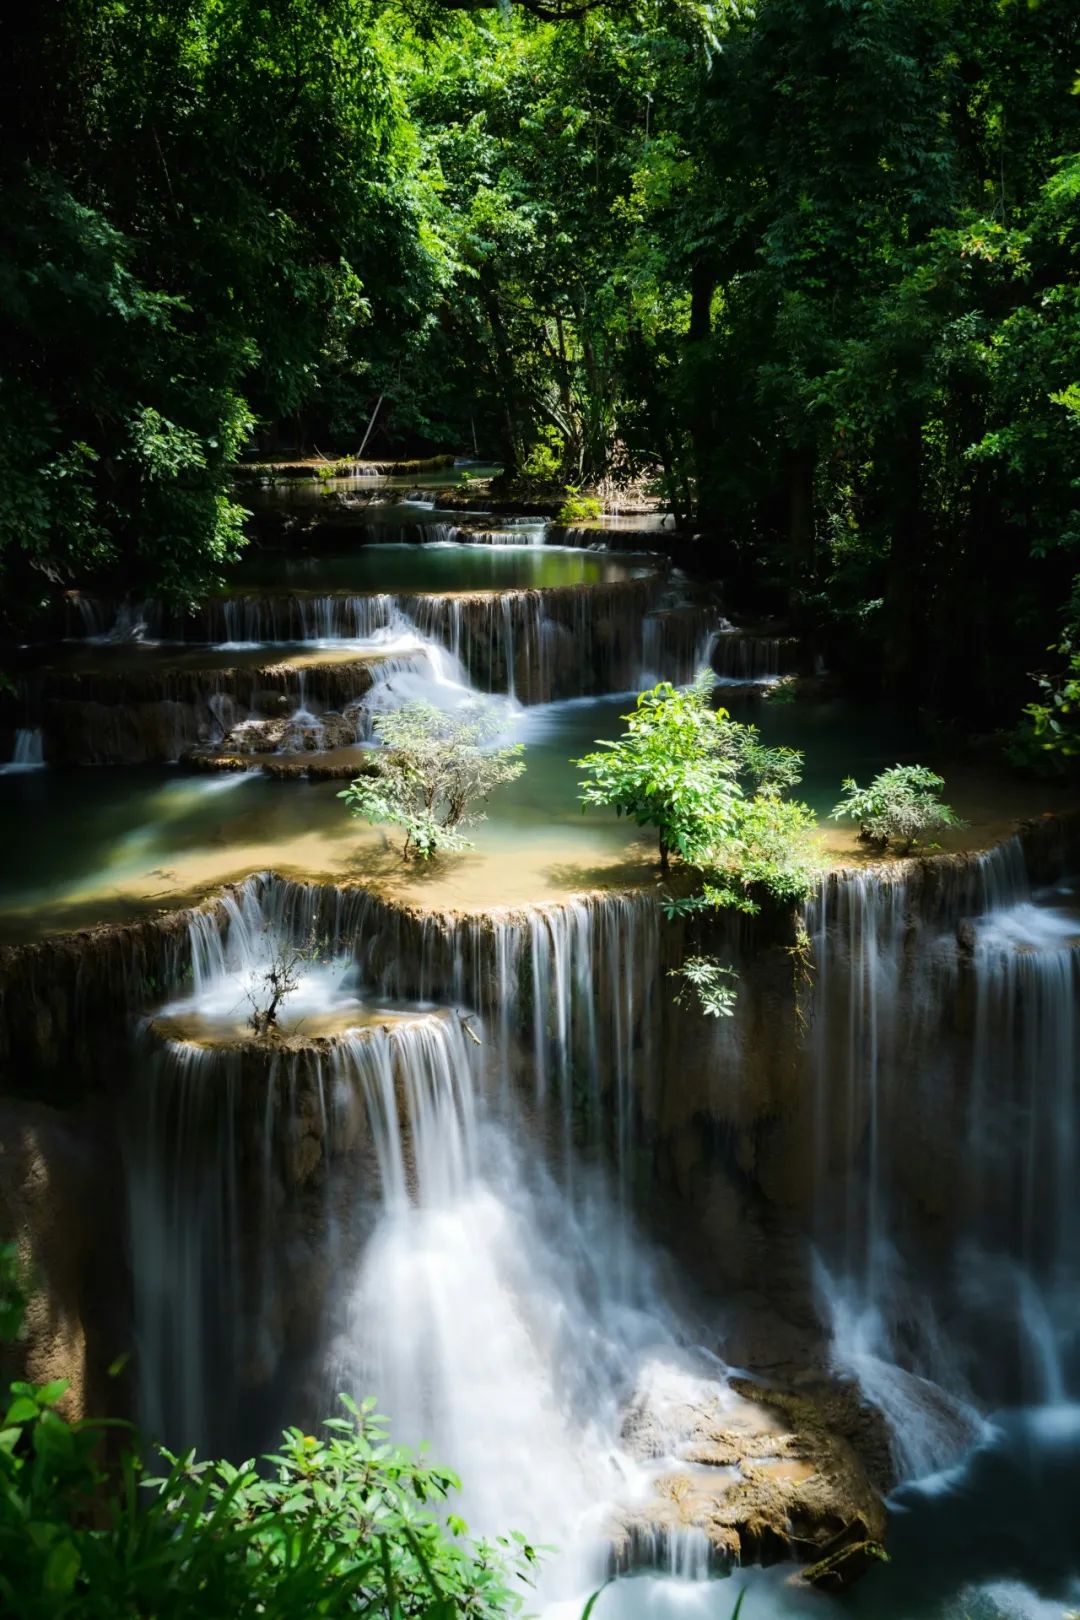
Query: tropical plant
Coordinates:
[339,1526]
[434,770]
[716,795]
[579,509]
[714,792]
[900,804]
[674,768]
[710,982]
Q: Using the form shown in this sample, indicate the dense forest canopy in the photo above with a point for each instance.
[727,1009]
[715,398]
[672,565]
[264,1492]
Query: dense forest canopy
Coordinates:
[809,266]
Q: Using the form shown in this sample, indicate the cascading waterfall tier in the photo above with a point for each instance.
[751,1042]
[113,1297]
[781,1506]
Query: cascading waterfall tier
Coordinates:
[946,1070]
[233,1151]
[937,1013]
[28,751]
[142,690]
[161,709]
[401,1195]
[537,645]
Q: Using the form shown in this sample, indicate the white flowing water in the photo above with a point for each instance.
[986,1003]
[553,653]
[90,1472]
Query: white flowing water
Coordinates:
[885,996]
[476,1266]
[29,753]
[484,1279]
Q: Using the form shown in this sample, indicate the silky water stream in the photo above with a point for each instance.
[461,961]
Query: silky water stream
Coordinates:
[435,1184]
[428,1189]
[428,1192]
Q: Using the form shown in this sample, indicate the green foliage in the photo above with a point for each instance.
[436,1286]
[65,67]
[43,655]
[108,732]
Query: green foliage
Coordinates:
[1054,723]
[1049,735]
[434,770]
[806,266]
[710,983]
[13,1293]
[543,464]
[578,509]
[207,209]
[674,768]
[716,795]
[770,856]
[339,1526]
[901,803]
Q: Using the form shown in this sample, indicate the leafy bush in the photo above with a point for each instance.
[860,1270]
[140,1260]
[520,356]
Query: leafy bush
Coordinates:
[771,855]
[716,795]
[901,803]
[543,464]
[714,792]
[577,509]
[343,1526]
[340,1526]
[711,983]
[1050,734]
[674,768]
[435,768]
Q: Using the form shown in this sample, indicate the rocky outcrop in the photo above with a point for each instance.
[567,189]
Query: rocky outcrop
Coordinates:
[748,1473]
[157,709]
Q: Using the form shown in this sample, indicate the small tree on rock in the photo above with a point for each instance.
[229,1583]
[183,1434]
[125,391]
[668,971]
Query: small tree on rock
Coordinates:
[901,803]
[269,987]
[433,772]
[673,769]
[717,796]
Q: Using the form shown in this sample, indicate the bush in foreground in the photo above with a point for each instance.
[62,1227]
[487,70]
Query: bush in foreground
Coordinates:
[333,1527]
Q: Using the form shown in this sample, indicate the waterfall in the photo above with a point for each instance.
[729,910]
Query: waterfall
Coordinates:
[246,620]
[739,655]
[127,621]
[220,1137]
[568,989]
[531,645]
[415,1200]
[29,753]
[484,1317]
[944,1058]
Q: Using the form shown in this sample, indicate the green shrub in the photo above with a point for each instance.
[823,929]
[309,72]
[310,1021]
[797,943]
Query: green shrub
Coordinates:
[717,798]
[900,804]
[714,792]
[1049,735]
[337,1527]
[435,769]
[673,768]
[543,463]
[579,509]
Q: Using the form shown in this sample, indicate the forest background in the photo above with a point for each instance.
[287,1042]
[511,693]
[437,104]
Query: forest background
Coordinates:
[809,268]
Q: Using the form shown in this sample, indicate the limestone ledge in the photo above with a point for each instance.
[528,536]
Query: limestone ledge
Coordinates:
[53,989]
[754,1474]
[131,714]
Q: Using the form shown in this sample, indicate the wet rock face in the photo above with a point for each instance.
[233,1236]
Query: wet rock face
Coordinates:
[303,733]
[58,1207]
[744,1474]
[161,712]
